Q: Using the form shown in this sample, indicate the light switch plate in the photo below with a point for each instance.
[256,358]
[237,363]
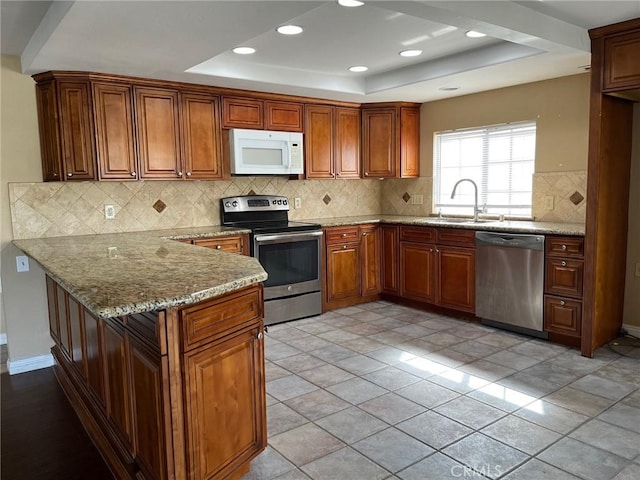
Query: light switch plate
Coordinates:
[417,199]
[109,212]
[548,202]
[22,263]
[297,202]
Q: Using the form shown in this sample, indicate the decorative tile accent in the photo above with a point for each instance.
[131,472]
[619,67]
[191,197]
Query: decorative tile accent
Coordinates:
[326,199]
[576,198]
[563,186]
[406,197]
[159,206]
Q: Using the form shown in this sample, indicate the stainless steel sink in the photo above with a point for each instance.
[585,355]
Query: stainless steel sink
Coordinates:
[460,220]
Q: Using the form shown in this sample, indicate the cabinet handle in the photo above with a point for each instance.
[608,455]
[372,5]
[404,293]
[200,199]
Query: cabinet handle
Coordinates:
[344,246]
[431,249]
[563,263]
[562,302]
[133,174]
[188,174]
[55,174]
[69,174]
[366,174]
[564,247]
[180,174]
[218,247]
[437,251]
[260,335]
[364,234]
[344,235]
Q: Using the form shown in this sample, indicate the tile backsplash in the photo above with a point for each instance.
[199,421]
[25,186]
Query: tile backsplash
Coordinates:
[77,208]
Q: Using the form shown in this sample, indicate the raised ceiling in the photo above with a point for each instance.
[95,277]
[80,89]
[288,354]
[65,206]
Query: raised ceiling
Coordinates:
[191,41]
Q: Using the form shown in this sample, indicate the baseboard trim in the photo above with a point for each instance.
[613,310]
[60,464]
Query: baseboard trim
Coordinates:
[632,329]
[3,338]
[29,364]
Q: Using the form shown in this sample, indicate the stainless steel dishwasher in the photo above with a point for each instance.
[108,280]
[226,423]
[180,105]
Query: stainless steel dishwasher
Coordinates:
[510,281]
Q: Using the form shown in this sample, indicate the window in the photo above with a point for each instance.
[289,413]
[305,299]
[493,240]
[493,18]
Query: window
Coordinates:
[499,158]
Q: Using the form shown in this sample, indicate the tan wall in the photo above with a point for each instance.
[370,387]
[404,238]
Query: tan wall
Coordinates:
[23,298]
[560,106]
[632,287]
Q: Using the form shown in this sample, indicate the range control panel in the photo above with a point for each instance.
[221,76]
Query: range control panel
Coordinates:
[255,203]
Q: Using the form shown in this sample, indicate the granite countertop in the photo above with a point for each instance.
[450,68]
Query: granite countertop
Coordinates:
[124,273]
[210,231]
[512,226]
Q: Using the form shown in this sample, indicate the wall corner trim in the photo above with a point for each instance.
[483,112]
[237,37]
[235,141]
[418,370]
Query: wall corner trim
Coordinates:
[632,329]
[28,364]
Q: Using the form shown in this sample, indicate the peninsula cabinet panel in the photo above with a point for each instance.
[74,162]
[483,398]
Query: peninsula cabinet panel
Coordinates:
[48,128]
[238,112]
[76,131]
[379,142]
[202,137]
[158,130]
[117,378]
[283,116]
[52,304]
[417,271]
[457,273]
[621,65]
[226,393]
[76,324]
[63,318]
[347,142]
[115,147]
[390,248]
[92,327]
[318,138]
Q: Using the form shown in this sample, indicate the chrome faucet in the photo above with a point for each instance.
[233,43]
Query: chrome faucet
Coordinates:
[476,210]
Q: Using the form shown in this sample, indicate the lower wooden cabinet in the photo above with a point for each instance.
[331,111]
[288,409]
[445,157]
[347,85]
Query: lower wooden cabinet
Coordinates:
[456,278]
[161,407]
[231,243]
[352,265]
[390,252]
[418,271]
[562,315]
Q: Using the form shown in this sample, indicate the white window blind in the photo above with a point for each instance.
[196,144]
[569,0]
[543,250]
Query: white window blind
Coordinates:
[499,158]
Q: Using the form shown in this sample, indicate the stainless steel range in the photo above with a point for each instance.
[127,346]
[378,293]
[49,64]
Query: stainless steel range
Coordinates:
[290,252]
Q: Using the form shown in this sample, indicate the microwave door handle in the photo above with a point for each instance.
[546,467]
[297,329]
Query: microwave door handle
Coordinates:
[287,161]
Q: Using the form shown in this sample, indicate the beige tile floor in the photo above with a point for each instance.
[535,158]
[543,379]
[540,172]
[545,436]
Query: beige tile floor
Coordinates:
[382,391]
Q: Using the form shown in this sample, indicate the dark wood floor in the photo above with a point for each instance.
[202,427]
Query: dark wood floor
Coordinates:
[42,438]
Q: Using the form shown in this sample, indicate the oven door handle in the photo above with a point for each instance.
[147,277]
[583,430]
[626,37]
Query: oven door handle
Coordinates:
[281,237]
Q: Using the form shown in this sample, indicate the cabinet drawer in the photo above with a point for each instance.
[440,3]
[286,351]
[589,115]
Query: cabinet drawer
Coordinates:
[562,315]
[564,276]
[221,316]
[418,234]
[233,244]
[342,235]
[457,237]
[565,246]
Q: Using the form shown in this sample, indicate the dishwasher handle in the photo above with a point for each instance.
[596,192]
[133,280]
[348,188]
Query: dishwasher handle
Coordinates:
[510,240]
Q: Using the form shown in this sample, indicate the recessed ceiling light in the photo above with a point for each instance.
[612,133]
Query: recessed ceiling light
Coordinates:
[474,34]
[410,53]
[358,68]
[449,89]
[289,29]
[244,50]
[350,3]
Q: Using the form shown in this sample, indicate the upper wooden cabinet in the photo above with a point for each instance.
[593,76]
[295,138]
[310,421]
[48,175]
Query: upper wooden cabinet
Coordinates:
[621,64]
[332,142]
[66,130]
[391,140]
[246,112]
[201,136]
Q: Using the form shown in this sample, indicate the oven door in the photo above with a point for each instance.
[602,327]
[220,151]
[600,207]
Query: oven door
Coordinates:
[292,261]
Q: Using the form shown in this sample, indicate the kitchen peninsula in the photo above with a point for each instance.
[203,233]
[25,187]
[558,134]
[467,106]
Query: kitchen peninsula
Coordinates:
[158,346]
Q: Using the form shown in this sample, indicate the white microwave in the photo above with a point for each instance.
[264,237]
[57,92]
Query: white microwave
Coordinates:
[265,152]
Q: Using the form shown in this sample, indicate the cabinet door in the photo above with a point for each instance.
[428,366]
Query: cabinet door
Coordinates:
[158,130]
[457,273]
[343,271]
[225,392]
[76,131]
[379,142]
[318,140]
[409,142]
[417,271]
[564,276]
[94,355]
[390,255]
[76,324]
[562,315]
[202,137]
[347,143]
[621,65]
[118,382]
[235,244]
[370,247]
[47,101]
[63,318]
[242,113]
[52,304]
[113,118]
[148,409]
[284,116]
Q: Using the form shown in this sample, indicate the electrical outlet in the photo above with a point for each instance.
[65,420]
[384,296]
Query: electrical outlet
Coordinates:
[417,199]
[109,212]
[22,263]
[548,202]
[637,269]
[297,202]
